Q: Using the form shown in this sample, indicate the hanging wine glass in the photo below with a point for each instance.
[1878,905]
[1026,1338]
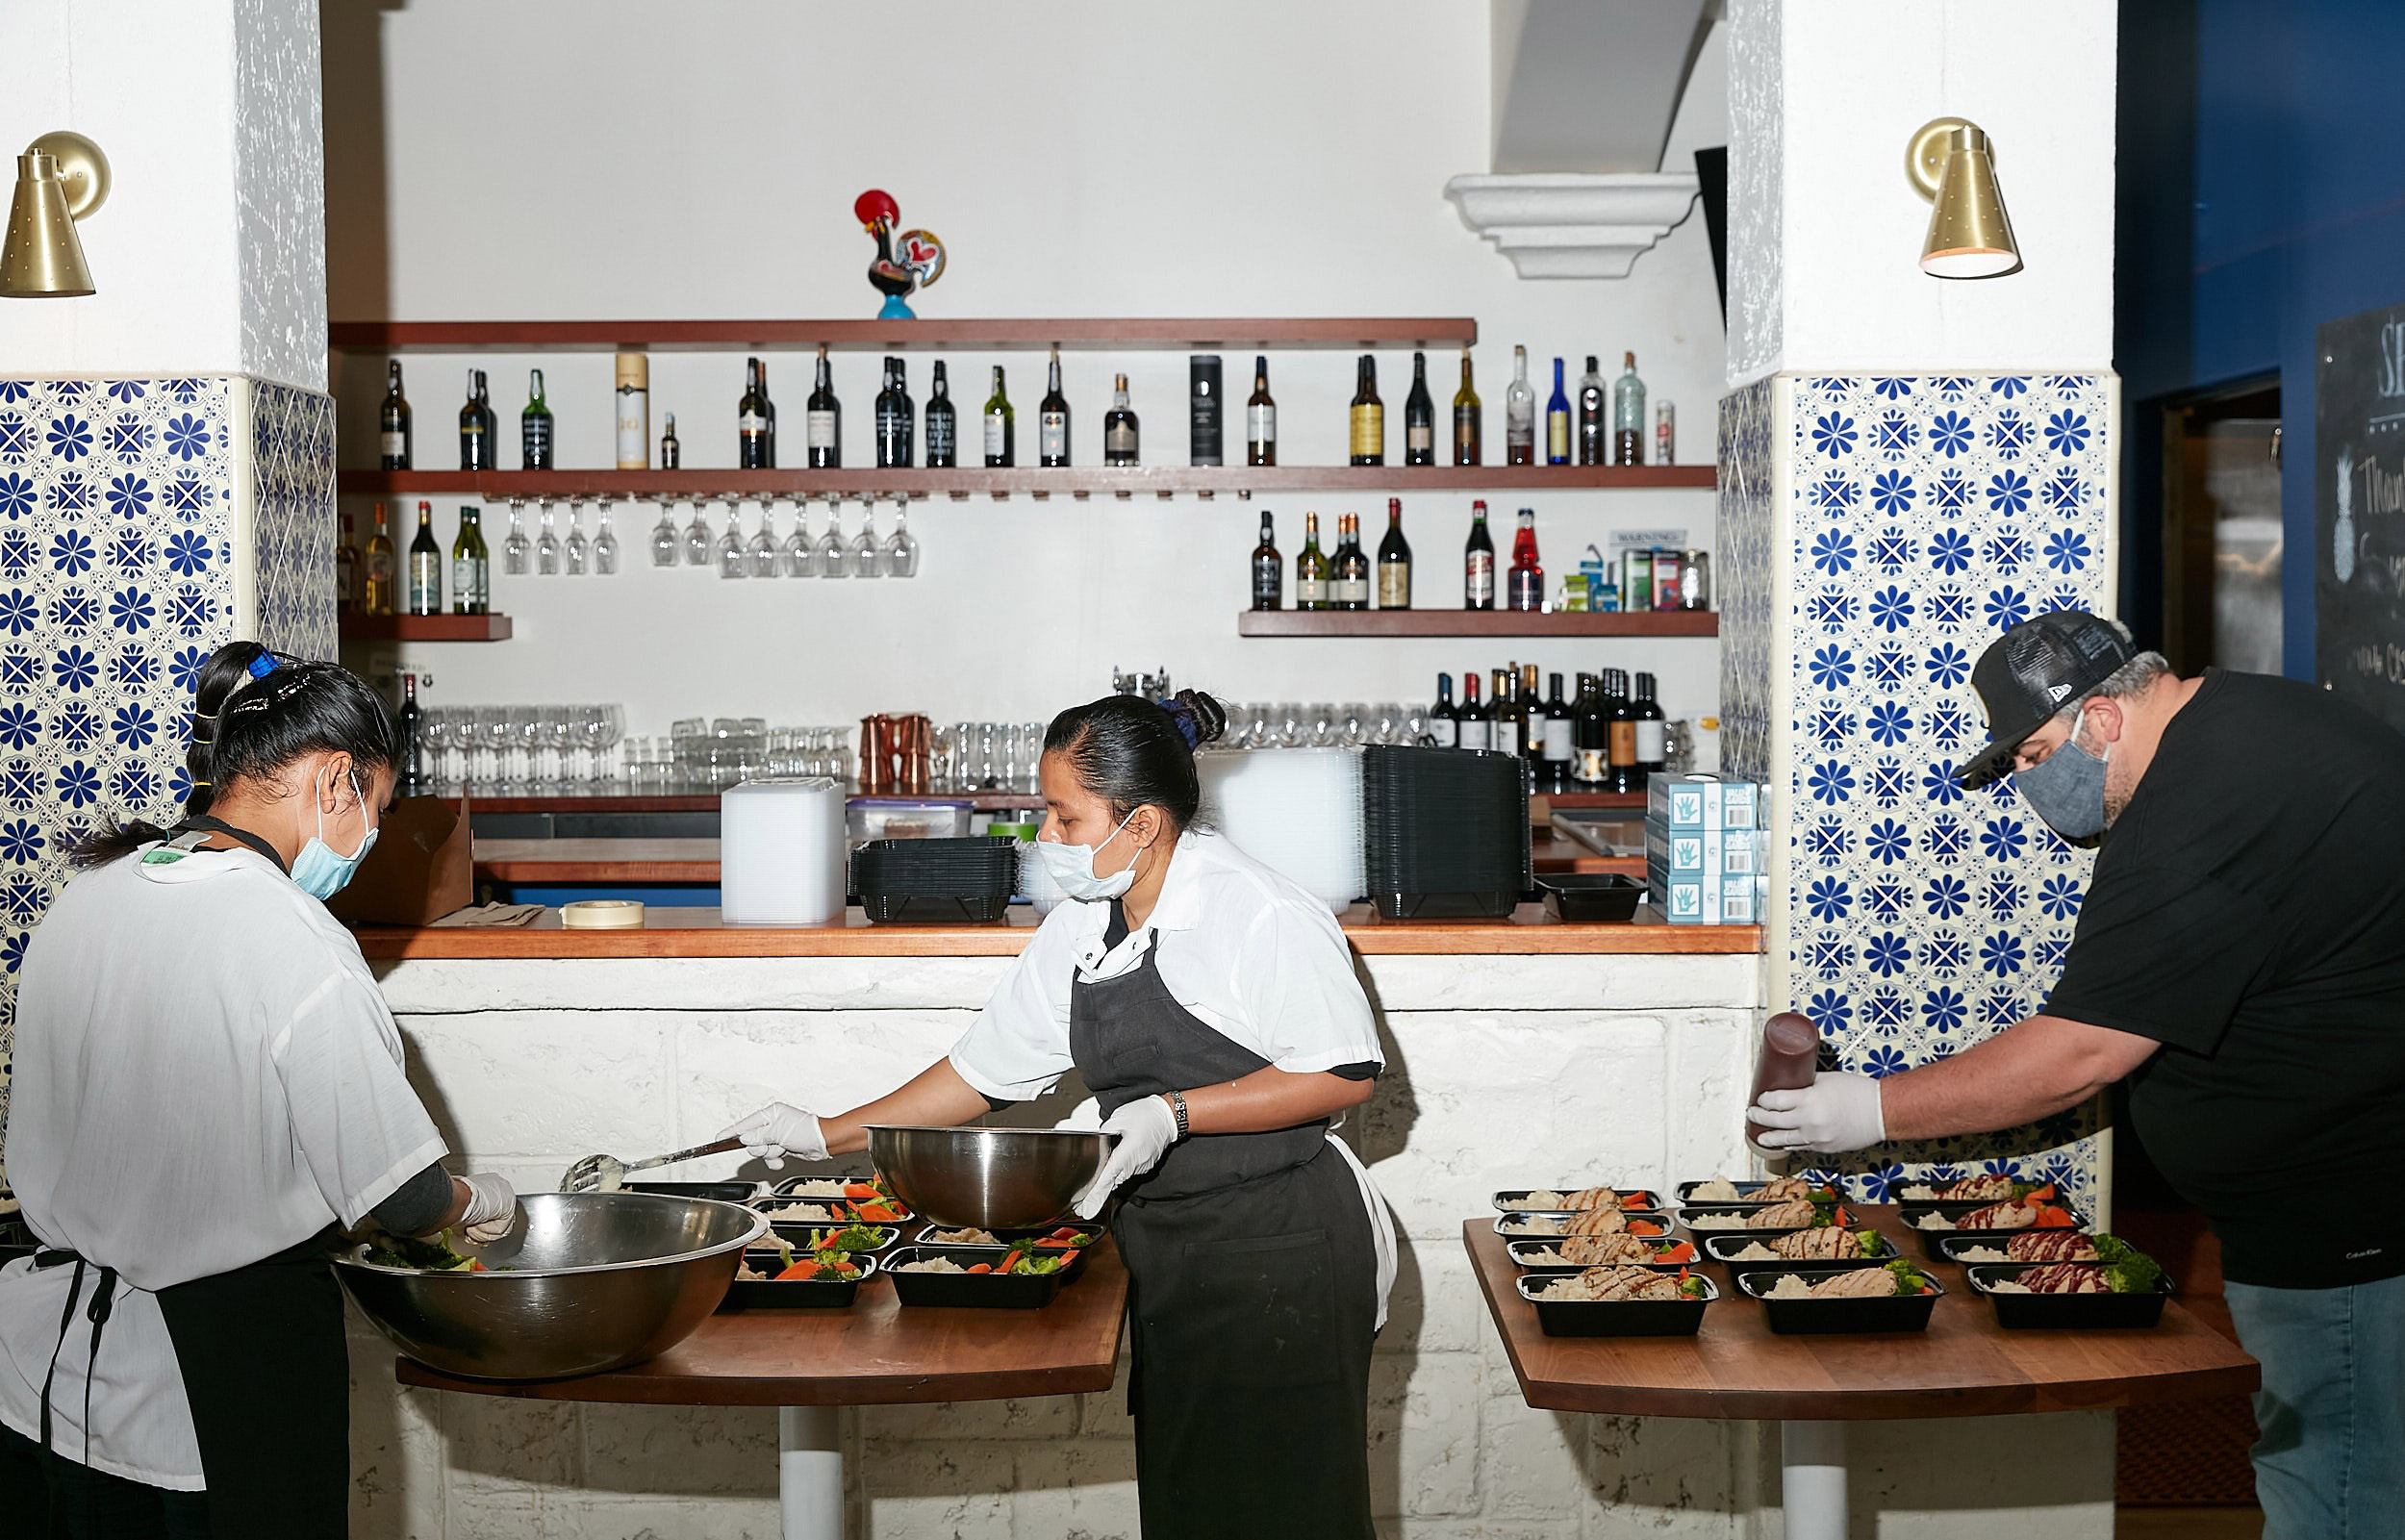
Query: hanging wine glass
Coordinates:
[514,548]
[901,548]
[667,546]
[762,550]
[698,551]
[576,548]
[731,546]
[866,558]
[834,560]
[548,545]
[605,546]
[800,557]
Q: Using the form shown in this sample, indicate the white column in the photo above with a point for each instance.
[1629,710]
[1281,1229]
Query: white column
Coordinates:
[810,1472]
[1811,1479]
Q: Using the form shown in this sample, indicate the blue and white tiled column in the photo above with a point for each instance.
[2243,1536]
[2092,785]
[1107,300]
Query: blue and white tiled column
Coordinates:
[1878,532]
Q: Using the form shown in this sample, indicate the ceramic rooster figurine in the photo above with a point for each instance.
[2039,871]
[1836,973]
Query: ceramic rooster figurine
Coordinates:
[909,260]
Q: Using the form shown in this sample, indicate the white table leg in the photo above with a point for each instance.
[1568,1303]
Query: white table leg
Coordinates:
[1811,1479]
[809,1472]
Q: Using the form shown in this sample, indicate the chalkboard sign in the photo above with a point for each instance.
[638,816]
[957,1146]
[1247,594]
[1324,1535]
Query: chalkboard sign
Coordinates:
[2359,473]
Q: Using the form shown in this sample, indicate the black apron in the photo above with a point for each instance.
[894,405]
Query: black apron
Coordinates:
[1252,1292]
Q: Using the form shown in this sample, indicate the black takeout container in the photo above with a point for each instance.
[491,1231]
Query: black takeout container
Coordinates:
[1633,1215]
[1745,1198]
[984,1291]
[1689,1214]
[814,1294]
[1519,1249]
[1951,1245]
[1721,1246]
[1911,1213]
[1074,1256]
[2066,1312]
[723,1191]
[1632,1199]
[1617,1318]
[1802,1317]
[1591,898]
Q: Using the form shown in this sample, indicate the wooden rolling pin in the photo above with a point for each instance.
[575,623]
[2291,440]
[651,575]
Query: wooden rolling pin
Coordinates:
[1791,1053]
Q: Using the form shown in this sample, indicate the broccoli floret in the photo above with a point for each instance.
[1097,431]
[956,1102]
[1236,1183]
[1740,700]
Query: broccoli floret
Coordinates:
[2127,1268]
[1908,1277]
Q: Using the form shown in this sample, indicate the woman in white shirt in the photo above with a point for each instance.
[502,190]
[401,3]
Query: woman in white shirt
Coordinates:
[207,1085]
[1211,1007]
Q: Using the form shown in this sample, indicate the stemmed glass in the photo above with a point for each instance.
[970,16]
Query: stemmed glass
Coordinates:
[492,730]
[697,539]
[763,547]
[602,727]
[901,548]
[514,549]
[547,546]
[800,557]
[576,548]
[1262,724]
[833,562]
[526,741]
[605,546]
[559,736]
[665,545]
[730,547]
[434,729]
[866,559]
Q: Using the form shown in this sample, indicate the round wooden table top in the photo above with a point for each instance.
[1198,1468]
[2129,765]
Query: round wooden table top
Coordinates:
[1965,1365]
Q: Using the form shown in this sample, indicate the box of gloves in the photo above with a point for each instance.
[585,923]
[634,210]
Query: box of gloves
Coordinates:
[1703,852]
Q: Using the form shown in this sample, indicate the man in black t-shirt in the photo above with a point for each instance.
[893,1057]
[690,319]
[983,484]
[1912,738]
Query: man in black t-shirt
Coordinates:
[2239,962]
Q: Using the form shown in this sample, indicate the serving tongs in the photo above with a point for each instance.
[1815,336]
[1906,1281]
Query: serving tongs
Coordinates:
[596,1173]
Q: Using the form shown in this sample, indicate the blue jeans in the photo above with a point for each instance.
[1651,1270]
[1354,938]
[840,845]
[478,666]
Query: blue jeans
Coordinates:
[2331,1462]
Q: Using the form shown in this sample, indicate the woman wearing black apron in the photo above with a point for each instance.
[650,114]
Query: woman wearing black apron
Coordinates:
[206,1087]
[1211,1007]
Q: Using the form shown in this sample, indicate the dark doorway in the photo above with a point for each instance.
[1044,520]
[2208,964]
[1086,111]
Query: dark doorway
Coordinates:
[2221,528]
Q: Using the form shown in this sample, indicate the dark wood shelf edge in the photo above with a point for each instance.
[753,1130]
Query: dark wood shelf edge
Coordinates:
[1392,624]
[1087,481]
[424,628]
[998,333]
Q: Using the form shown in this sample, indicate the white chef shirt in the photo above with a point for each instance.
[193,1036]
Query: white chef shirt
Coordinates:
[206,1076]
[1248,953]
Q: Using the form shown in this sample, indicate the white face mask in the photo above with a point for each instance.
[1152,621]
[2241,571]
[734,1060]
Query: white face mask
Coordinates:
[1071,867]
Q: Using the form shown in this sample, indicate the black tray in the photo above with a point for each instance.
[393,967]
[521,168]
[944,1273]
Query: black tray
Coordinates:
[1930,1239]
[1075,1254]
[1633,1200]
[1618,1318]
[833,1293]
[799,1236]
[1591,898]
[932,909]
[1687,1215]
[960,1291]
[1520,1249]
[723,1191]
[1951,1245]
[1721,1244]
[1957,1207]
[2066,1312]
[1745,1198]
[1809,1317]
[1496,905]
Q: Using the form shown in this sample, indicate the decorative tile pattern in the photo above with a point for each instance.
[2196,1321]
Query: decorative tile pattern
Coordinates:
[1753,613]
[293,518]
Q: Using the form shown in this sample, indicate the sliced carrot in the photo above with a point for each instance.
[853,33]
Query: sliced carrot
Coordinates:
[859,1192]
[875,1214]
[1677,1251]
[475,1266]
[800,1271]
[1643,1226]
[1055,1243]
[2039,1195]
[981,1267]
[2051,1219]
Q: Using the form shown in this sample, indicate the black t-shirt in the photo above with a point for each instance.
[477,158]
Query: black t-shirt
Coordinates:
[2248,913]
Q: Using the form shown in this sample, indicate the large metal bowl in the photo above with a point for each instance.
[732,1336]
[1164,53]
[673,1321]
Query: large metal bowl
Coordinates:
[589,1281]
[991,1178]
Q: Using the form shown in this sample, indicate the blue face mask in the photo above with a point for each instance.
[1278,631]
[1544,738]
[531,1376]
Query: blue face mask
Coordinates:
[2067,788]
[318,870]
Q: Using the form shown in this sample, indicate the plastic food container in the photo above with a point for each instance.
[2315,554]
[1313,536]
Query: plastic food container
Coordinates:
[1722,1247]
[1508,1223]
[1591,898]
[1746,1195]
[1615,1318]
[1632,1199]
[982,1291]
[723,1191]
[811,1294]
[2070,1312]
[1932,1240]
[1791,1318]
[1523,1251]
[904,817]
[1837,1214]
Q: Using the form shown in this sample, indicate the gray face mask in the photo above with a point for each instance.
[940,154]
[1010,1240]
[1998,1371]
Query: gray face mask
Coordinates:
[2067,789]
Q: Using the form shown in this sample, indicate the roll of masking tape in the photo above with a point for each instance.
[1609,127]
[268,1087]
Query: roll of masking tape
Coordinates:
[602,914]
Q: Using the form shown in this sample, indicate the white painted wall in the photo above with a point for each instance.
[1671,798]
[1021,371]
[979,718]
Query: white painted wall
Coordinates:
[209,256]
[1824,252]
[1247,158]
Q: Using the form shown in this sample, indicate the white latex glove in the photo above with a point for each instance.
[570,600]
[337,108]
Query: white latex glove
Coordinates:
[1838,1111]
[491,1208]
[1146,1128]
[777,1131]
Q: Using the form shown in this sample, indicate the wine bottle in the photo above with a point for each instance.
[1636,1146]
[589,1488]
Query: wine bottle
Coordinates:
[1531,725]
[1557,421]
[1653,732]
[1352,566]
[751,423]
[1520,412]
[894,419]
[412,780]
[1269,569]
[1444,720]
[392,420]
[1591,738]
[1419,418]
[1204,437]
[1475,729]
[1593,451]
[475,445]
[823,420]
[632,419]
[672,452]
[491,420]
[534,426]
[1001,426]
[1478,557]
[1469,428]
[1310,570]
[1260,417]
[378,570]
[1394,562]
[767,410]
[467,584]
[1053,419]
[1621,717]
[345,571]
[1368,416]
[1628,416]
[1508,715]
[1527,586]
[1119,427]
[425,566]
[943,423]
[1560,735]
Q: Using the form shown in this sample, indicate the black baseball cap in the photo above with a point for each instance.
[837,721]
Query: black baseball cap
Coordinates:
[2034,670]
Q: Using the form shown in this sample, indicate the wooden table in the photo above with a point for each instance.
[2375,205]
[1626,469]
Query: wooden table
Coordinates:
[1965,1365]
[808,1362]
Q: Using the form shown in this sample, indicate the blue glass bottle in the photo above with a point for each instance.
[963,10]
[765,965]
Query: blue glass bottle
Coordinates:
[1557,424]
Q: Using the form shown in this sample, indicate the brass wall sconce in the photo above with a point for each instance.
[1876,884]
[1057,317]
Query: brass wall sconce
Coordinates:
[1952,165]
[60,178]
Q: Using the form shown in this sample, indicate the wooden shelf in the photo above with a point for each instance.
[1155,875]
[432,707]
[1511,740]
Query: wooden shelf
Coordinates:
[1476,623]
[1075,481]
[423,627]
[1023,333]
[1588,799]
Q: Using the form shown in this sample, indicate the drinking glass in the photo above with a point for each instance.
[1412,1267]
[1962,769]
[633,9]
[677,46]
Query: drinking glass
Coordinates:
[866,560]
[1294,729]
[1415,727]
[665,544]
[1355,724]
[514,548]
[697,539]
[901,548]
[605,547]
[762,551]
[1261,725]
[559,736]
[731,546]
[800,557]
[834,559]
[492,731]
[526,739]
[434,734]
[576,548]
[547,546]
[1034,734]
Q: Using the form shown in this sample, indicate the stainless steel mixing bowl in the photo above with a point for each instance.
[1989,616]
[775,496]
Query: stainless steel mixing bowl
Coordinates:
[590,1281]
[992,1178]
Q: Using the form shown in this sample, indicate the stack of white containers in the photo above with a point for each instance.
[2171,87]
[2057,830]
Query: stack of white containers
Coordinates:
[781,852]
[1296,811]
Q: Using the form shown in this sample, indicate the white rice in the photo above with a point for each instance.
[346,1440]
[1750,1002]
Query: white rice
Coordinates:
[801,1213]
[817,1186]
[1933,1222]
[1985,1253]
[1533,1226]
[1790,1287]
[961,1238]
[1726,1222]
[933,1264]
[1718,1190]
[1756,1251]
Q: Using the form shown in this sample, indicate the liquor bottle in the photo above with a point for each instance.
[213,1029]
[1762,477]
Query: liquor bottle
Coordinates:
[1533,729]
[1269,569]
[1557,421]
[1419,418]
[823,420]
[1394,562]
[1653,733]
[425,566]
[1476,729]
[476,444]
[1053,419]
[470,565]
[1310,570]
[533,427]
[1204,437]
[1509,716]
[1526,585]
[1628,416]
[1444,722]
[1352,583]
[490,418]
[1368,416]
[672,452]
[751,423]
[1478,563]
[768,409]
[392,420]
[1520,412]
[1591,738]
[1665,417]
[1469,420]
[1592,448]
[345,571]
[1001,426]
[895,420]
[1119,427]
[1561,738]
[632,420]
[413,777]
[376,585]
[943,423]
[1621,716]
[1260,417]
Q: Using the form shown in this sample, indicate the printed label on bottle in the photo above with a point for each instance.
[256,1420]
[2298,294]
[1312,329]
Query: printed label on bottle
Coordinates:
[1558,740]
[818,428]
[1353,591]
[1445,731]
[1309,590]
[1477,734]
[1507,738]
[1260,424]
[464,581]
[1623,742]
[1557,435]
[535,443]
[1587,767]
[634,430]
[1054,435]
[994,436]
[1369,430]
[1119,438]
[1393,585]
[1479,579]
[1420,438]
[379,567]
[425,585]
[1652,742]
[396,446]
[751,423]
[1269,582]
[939,438]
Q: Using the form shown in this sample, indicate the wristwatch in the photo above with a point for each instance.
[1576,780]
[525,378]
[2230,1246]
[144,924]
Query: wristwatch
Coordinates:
[1177,1104]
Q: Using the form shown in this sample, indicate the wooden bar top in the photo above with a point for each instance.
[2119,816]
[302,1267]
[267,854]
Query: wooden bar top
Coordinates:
[698,932]
[876,1353]
[1965,1365]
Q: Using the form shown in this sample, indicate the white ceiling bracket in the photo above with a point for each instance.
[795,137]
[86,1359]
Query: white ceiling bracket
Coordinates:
[1563,224]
